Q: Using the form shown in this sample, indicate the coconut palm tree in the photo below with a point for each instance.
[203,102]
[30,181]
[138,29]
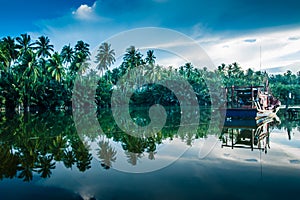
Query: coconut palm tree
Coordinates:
[150,59]
[4,56]
[43,47]
[55,67]
[133,58]
[82,47]
[25,43]
[188,67]
[105,57]
[67,54]
[12,48]
[30,63]
[29,77]
[80,64]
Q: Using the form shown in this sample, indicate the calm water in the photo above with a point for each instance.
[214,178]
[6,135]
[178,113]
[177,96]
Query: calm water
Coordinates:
[44,156]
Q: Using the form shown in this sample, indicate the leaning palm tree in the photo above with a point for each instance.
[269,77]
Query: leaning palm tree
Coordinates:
[105,57]
[43,47]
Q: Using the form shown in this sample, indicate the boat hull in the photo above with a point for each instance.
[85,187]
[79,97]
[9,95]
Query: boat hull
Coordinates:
[240,113]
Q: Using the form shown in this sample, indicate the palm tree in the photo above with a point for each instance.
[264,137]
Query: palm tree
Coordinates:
[43,47]
[82,47]
[4,57]
[81,56]
[11,47]
[133,58]
[105,57]
[55,67]
[29,76]
[25,43]
[188,68]
[80,65]
[67,54]
[150,59]
[30,63]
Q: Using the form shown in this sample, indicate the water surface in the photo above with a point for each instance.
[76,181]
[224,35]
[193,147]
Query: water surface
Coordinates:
[42,156]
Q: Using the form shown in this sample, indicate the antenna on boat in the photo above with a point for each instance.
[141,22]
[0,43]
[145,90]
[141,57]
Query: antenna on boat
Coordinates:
[260,58]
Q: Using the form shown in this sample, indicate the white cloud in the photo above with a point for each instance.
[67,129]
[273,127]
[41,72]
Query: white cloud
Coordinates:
[279,47]
[85,12]
[276,47]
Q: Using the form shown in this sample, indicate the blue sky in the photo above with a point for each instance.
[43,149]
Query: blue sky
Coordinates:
[229,30]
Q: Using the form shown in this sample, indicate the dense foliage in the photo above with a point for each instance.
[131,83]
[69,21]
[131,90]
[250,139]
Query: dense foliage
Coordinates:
[34,76]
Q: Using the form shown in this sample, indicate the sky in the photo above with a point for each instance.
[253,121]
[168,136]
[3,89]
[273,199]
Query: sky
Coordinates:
[257,34]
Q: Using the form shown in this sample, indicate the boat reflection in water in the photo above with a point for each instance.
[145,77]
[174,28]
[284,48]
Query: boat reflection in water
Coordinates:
[248,133]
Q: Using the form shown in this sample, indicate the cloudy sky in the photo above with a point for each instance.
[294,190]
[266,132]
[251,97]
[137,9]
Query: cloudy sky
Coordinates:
[228,30]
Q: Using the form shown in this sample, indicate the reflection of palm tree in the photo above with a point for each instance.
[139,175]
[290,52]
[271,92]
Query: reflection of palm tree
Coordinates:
[151,148]
[58,146]
[69,158]
[151,155]
[107,154]
[27,167]
[45,165]
[134,144]
[82,155]
[8,162]
[133,157]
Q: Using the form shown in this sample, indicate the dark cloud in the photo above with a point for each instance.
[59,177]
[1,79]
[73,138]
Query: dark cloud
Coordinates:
[294,38]
[250,40]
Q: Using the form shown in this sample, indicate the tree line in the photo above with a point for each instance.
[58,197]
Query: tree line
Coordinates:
[35,76]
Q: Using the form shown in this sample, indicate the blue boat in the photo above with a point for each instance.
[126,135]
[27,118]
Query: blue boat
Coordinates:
[250,102]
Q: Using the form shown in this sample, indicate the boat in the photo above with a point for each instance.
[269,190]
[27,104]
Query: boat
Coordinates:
[250,102]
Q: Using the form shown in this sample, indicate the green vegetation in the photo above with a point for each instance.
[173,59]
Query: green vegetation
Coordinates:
[34,144]
[34,76]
